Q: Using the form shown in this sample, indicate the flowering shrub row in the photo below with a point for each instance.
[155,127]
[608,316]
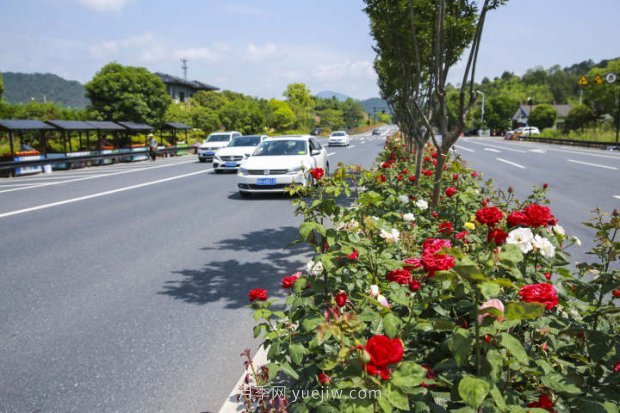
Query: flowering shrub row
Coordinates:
[469,307]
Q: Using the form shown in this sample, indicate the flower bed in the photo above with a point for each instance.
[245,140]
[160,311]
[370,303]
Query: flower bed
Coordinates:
[463,308]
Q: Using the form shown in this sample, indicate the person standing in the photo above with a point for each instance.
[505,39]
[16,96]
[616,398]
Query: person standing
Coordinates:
[153,147]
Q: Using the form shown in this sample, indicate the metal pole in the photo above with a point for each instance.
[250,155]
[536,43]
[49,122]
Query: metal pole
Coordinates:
[617,114]
[481,110]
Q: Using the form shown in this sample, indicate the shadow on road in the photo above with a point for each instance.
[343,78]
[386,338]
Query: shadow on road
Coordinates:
[230,280]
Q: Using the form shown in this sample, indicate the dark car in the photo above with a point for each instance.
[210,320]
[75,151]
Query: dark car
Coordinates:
[376,131]
[316,131]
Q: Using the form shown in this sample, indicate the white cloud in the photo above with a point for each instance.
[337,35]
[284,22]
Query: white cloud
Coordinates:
[105,5]
[260,53]
[245,10]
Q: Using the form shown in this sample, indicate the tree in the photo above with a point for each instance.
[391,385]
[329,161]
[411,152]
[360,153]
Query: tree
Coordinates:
[180,112]
[352,113]
[126,93]
[242,115]
[543,116]
[331,119]
[1,85]
[301,102]
[210,99]
[281,117]
[579,117]
[602,98]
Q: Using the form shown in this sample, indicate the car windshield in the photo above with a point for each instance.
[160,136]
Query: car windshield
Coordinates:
[218,138]
[245,141]
[281,147]
[338,134]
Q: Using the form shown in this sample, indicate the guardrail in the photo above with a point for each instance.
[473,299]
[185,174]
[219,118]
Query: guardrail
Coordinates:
[11,165]
[572,142]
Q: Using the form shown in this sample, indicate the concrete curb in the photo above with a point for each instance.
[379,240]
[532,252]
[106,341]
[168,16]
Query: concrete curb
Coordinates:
[231,405]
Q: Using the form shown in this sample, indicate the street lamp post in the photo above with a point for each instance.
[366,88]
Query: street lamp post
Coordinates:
[530,102]
[481,113]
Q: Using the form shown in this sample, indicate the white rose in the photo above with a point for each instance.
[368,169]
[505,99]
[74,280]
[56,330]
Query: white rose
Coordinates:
[314,268]
[422,204]
[409,217]
[374,290]
[390,236]
[383,301]
[521,237]
[544,246]
[577,241]
[559,230]
[403,199]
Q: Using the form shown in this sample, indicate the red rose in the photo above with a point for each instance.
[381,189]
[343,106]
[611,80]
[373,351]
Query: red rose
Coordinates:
[435,214]
[382,178]
[455,176]
[317,173]
[489,215]
[412,178]
[474,174]
[545,186]
[399,178]
[547,275]
[616,293]
[516,218]
[354,255]
[405,172]
[341,299]
[287,282]
[432,245]
[617,367]
[427,158]
[497,236]
[450,191]
[540,293]
[386,165]
[461,235]
[445,228]
[427,172]
[537,215]
[383,351]
[412,263]
[324,379]
[414,285]
[400,276]
[258,294]
[437,262]
[544,402]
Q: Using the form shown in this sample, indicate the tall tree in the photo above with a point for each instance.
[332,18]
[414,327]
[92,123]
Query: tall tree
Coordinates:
[302,103]
[126,93]
[1,85]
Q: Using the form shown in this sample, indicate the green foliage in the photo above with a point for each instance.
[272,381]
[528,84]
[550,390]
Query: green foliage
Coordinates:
[476,356]
[281,115]
[242,115]
[602,98]
[579,117]
[1,85]
[543,116]
[20,88]
[125,93]
[301,102]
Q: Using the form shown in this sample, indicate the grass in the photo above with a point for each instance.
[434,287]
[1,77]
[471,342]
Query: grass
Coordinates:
[592,135]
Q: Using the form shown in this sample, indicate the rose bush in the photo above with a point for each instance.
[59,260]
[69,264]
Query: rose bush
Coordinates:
[484,317]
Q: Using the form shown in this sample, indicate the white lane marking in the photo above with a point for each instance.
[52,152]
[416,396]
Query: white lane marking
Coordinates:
[231,404]
[14,185]
[492,150]
[511,163]
[331,153]
[587,152]
[351,146]
[95,176]
[537,150]
[593,164]
[617,196]
[464,148]
[492,146]
[100,194]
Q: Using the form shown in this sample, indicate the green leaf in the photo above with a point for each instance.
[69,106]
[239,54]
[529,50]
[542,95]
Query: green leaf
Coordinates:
[287,369]
[510,255]
[493,364]
[368,314]
[460,344]
[328,364]
[498,398]
[514,347]
[312,232]
[473,390]
[297,352]
[300,284]
[310,324]
[408,376]
[524,311]
[559,383]
[391,325]
[398,399]
[468,269]
[384,403]
[560,259]
[489,289]
[262,313]
[326,408]
[274,351]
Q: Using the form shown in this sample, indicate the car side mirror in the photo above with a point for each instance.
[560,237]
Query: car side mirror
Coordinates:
[315,152]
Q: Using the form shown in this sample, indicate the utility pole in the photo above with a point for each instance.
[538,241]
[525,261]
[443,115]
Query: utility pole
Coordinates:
[481,113]
[184,67]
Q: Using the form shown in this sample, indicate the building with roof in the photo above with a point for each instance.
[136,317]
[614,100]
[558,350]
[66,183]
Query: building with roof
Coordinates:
[520,118]
[180,89]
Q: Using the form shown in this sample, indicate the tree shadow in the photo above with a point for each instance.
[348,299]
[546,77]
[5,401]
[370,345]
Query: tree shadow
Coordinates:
[231,279]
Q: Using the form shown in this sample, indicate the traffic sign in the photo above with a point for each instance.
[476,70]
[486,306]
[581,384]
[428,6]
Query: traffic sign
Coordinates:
[598,80]
[583,81]
[611,77]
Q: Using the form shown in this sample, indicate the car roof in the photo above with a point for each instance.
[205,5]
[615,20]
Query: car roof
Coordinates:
[291,137]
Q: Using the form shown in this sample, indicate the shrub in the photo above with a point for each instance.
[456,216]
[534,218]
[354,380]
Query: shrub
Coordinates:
[482,314]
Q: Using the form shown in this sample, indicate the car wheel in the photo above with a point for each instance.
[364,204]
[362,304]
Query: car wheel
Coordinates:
[202,160]
[218,171]
[327,169]
[245,194]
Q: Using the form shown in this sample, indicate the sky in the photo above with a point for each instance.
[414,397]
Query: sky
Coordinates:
[257,47]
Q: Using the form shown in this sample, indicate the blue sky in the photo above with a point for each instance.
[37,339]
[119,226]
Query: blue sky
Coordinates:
[257,47]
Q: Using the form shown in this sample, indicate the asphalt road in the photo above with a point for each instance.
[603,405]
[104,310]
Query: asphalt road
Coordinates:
[124,288]
[579,179]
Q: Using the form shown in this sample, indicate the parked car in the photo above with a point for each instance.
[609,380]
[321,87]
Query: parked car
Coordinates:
[529,131]
[279,162]
[377,131]
[340,138]
[240,148]
[215,141]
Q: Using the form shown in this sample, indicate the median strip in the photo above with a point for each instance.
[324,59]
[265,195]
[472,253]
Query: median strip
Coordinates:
[100,194]
[511,163]
[592,164]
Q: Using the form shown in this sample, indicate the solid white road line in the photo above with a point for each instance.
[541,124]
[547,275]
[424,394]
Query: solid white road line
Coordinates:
[231,405]
[464,148]
[587,152]
[331,153]
[351,146]
[592,164]
[100,194]
[617,196]
[95,176]
[511,163]
[537,150]
[492,150]
[494,146]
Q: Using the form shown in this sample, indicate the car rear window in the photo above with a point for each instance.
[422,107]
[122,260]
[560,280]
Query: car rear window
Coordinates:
[245,141]
[219,138]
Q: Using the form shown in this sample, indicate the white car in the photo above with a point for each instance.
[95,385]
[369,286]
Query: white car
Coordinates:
[529,131]
[338,138]
[279,162]
[215,141]
[240,148]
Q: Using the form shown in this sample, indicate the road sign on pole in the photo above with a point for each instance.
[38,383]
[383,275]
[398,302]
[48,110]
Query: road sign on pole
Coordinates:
[598,80]
[611,77]
[583,81]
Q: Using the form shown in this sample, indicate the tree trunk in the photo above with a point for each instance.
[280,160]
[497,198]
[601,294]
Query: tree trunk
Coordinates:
[419,155]
[441,161]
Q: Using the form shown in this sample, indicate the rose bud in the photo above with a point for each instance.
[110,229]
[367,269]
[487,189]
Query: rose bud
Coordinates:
[324,379]
[341,299]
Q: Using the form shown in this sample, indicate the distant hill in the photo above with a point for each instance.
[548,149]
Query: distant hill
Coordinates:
[23,87]
[328,94]
[374,105]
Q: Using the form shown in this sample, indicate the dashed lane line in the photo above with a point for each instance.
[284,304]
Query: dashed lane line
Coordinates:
[492,150]
[100,194]
[494,146]
[511,163]
[530,145]
[617,196]
[592,164]
[464,148]
[351,146]
[331,153]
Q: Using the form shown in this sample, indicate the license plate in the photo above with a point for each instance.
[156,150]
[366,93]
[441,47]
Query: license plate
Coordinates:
[209,153]
[266,181]
[231,164]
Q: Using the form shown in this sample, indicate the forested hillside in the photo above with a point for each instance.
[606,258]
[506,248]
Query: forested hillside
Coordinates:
[24,87]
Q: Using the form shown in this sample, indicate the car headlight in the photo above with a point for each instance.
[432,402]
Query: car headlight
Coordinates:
[242,171]
[295,171]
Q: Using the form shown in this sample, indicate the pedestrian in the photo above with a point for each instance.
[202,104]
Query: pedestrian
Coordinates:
[152,146]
